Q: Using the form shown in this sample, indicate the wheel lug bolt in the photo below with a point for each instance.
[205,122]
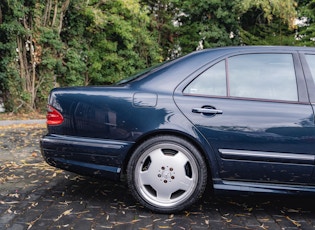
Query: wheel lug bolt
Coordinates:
[165,181]
[172,177]
[163,168]
[171,169]
[159,175]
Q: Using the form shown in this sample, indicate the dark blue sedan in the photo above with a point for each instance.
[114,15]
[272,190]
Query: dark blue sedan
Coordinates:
[240,118]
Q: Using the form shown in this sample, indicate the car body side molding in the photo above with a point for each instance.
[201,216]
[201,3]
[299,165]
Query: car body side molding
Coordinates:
[267,156]
[240,186]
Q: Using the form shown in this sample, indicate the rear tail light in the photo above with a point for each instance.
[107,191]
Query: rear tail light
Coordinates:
[53,116]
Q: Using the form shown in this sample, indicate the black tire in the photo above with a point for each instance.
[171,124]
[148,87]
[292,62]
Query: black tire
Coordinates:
[167,174]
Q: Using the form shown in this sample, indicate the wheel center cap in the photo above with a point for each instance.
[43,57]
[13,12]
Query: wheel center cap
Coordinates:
[166,174]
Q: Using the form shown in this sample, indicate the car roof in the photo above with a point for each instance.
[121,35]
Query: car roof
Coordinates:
[169,75]
[259,48]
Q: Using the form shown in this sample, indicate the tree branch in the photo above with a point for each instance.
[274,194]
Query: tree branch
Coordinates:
[0,15]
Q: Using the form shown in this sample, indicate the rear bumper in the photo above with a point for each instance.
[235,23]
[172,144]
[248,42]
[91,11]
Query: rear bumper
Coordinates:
[85,156]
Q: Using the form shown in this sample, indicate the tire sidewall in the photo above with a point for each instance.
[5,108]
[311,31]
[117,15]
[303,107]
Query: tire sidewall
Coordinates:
[195,154]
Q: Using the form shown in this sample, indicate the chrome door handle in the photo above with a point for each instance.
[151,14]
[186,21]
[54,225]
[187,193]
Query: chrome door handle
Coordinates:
[207,111]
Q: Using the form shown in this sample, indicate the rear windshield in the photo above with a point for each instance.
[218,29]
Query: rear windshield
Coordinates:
[142,73]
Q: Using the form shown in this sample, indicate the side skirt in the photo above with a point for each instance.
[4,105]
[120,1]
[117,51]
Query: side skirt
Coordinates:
[222,186]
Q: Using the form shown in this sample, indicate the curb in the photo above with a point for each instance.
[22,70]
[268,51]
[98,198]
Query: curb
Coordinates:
[19,122]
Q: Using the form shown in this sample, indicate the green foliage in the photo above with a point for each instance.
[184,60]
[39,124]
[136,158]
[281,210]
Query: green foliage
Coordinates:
[162,14]
[265,22]
[49,38]
[48,43]
[306,30]
[210,22]
[9,29]
[283,9]
[110,41]
[260,32]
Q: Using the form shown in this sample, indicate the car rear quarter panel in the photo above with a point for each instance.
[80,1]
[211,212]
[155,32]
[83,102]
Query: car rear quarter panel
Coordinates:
[103,125]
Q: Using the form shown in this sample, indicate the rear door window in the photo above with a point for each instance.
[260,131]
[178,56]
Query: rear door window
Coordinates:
[263,76]
[256,76]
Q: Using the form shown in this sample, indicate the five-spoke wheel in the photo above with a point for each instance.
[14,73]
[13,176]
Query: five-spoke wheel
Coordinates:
[167,174]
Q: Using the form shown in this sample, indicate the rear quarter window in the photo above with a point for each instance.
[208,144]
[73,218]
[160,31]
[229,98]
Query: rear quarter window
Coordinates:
[311,64]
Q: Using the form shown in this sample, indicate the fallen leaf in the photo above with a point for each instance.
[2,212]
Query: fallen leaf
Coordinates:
[15,195]
[263,220]
[226,219]
[30,225]
[293,211]
[9,210]
[65,213]
[9,202]
[296,223]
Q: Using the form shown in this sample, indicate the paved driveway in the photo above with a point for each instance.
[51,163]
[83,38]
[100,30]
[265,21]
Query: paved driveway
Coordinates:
[34,195]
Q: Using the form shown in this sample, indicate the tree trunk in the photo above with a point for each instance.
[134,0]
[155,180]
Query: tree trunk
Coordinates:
[0,15]
[47,13]
[22,64]
[55,14]
[64,8]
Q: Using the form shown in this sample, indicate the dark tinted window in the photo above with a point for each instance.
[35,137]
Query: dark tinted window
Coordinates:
[261,76]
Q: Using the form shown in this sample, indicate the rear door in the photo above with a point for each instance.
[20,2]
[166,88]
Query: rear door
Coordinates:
[254,111]
[308,61]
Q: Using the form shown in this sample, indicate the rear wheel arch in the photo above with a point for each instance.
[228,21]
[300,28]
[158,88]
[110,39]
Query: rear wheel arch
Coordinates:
[147,187]
[186,137]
